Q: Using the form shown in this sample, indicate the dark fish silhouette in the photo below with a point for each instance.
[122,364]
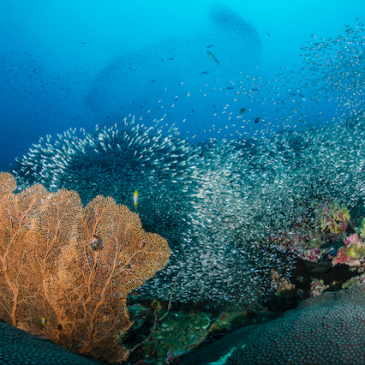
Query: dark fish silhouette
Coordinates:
[211,45]
[204,72]
[257,120]
[229,87]
[268,33]
[242,110]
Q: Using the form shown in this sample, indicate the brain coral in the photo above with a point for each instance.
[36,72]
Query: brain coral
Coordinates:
[328,329]
[20,347]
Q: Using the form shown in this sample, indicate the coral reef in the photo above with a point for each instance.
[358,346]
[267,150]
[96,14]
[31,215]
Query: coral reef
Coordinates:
[327,329]
[351,283]
[327,239]
[20,347]
[225,319]
[331,217]
[180,333]
[280,283]
[317,288]
[66,270]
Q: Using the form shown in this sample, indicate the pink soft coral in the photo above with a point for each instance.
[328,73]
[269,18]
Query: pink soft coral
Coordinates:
[353,240]
[340,259]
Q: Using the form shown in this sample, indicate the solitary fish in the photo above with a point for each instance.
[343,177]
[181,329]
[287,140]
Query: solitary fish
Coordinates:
[135,199]
[242,110]
[257,120]
[211,45]
[204,72]
[211,55]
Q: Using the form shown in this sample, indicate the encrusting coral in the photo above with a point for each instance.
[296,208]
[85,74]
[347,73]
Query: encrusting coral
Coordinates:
[326,329]
[65,270]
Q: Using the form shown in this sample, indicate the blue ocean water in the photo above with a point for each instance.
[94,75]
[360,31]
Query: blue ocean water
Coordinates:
[78,64]
[240,124]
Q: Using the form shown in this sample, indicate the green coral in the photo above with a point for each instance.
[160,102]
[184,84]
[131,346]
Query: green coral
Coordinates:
[351,283]
[179,333]
[357,252]
[361,229]
[332,217]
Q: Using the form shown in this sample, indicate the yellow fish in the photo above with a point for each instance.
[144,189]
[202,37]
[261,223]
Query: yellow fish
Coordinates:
[135,198]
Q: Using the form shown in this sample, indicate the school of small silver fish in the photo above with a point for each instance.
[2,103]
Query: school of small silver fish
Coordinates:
[217,201]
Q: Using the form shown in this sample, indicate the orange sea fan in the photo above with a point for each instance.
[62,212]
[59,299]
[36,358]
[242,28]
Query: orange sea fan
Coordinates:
[91,285]
[65,270]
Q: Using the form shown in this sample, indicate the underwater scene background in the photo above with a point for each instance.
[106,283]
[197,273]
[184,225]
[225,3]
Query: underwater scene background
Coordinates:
[175,172]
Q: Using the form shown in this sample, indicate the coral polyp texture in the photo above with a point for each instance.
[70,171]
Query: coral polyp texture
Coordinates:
[20,347]
[327,329]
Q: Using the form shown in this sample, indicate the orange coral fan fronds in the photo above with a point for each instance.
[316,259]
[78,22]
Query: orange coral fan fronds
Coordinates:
[52,230]
[72,267]
[17,214]
[98,279]
[7,183]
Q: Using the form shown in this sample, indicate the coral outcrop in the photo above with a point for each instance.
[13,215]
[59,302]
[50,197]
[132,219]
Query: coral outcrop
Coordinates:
[327,329]
[20,347]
